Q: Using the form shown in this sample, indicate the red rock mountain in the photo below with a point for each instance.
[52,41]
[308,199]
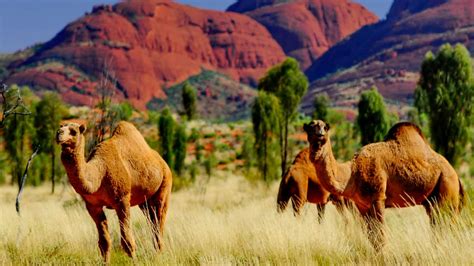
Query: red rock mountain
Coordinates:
[305,29]
[147,46]
[389,54]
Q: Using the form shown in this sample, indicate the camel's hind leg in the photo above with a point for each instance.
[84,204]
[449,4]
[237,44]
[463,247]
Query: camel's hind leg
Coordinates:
[155,209]
[127,241]
[98,215]
[445,200]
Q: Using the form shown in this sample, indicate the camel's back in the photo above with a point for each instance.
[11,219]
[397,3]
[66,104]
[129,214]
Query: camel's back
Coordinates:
[130,142]
[143,163]
[405,161]
[404,140]
[406,133]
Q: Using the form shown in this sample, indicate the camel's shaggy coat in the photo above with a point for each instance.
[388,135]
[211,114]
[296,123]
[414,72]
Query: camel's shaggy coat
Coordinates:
[401,171]
[301,184]
[121,172]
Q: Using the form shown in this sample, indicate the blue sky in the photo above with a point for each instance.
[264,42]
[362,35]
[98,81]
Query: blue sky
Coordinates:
[26,22]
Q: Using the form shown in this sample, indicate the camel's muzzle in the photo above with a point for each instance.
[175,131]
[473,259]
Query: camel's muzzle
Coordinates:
[58,136]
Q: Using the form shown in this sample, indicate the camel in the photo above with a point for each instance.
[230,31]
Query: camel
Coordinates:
[121,172]
[301,184]
[401,171]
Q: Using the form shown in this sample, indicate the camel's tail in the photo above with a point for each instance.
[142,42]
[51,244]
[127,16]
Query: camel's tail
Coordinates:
[283,196]
[462,196]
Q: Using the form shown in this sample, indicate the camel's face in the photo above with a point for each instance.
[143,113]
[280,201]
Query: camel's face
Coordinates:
[318,131]
[68,134]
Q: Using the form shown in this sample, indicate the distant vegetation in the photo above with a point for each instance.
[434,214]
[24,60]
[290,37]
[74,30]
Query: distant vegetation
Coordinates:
[192,147]
[288,84]
[373,120]
[445,93]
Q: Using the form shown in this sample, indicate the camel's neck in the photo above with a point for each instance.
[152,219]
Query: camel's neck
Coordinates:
[85,177]
[333,176]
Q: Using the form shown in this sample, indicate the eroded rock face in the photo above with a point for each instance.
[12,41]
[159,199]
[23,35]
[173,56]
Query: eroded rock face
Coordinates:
[404,8]
[389,54]
[148,46]
[305,29]
[249,5]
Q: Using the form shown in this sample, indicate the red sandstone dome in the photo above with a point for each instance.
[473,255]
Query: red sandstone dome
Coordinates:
[305,29]
[147,46]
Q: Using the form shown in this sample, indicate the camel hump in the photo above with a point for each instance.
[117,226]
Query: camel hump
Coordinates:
[403,129]
[125,128]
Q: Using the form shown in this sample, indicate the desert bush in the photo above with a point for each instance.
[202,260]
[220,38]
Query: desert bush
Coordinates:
[446,93]
[373,120]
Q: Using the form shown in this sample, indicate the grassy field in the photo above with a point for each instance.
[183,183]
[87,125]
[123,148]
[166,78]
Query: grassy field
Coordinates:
[230,222]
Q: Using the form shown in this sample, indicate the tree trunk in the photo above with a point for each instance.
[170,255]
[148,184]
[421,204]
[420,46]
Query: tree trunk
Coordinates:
[53,157]
[284,147]
[265,163]
[282,144]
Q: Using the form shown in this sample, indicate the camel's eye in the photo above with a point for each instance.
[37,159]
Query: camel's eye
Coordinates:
[73,132]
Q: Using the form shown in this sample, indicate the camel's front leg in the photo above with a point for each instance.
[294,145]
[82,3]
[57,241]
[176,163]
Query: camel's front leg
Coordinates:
[374,217]
[98,215]
[127,241]
[321,210]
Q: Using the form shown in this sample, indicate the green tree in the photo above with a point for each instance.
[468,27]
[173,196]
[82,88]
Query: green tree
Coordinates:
[373,120]
[321,107]
[18,129]
[265,119]
[189,101]
[166,126]
[48,114]
[210,163]
[288,84]
[344,138]
[446,93]
[248,152]
[179,149]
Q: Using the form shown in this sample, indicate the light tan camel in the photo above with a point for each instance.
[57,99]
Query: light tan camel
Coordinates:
[401,171]
[301,184]
[121,172]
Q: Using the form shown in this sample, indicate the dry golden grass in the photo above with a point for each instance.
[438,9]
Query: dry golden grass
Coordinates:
[233,222]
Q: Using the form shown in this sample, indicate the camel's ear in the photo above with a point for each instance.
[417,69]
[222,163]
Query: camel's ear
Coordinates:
[82,129]
[327,127]
[306,127]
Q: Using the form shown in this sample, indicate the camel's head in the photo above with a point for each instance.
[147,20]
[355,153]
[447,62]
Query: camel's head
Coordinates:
[68,134]
[318,131]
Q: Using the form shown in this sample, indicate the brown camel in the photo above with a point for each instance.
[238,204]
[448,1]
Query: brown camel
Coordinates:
[401,171]
[301,184]
[121,172]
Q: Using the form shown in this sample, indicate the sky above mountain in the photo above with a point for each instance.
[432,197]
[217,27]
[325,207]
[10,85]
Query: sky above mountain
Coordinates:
[26,22]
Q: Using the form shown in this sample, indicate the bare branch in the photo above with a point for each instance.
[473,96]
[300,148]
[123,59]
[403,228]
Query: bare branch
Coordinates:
[23,180]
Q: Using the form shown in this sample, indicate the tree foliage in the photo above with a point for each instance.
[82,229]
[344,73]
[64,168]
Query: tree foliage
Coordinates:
[446,93]
[288,84]
[189,101]
[18,131]
[321,107]
[344,137]
[166,126]
[373,120]
[266,124]
[179,148]
[48,114]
